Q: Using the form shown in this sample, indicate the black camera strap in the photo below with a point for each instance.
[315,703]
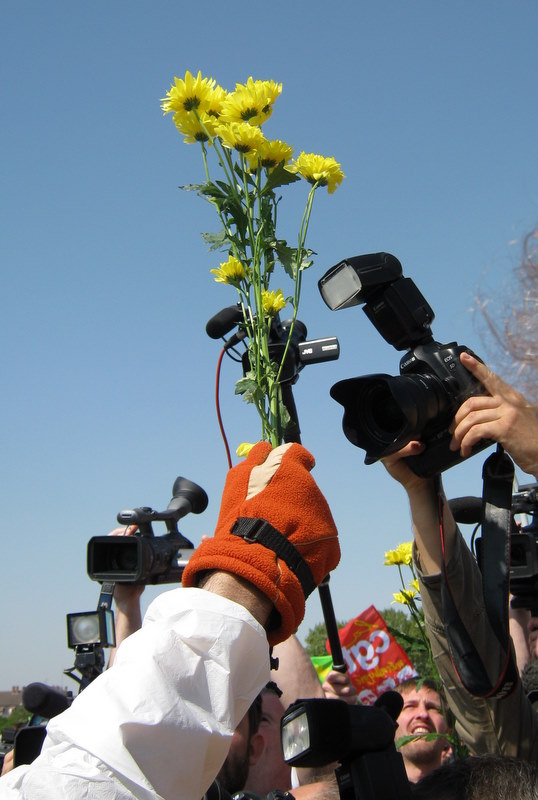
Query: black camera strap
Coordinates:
[259,531]
[498,477]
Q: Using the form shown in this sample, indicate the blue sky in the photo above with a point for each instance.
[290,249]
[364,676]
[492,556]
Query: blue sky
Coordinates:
[108,375]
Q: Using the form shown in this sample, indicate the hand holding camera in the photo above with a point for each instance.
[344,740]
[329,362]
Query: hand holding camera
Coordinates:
[503,415]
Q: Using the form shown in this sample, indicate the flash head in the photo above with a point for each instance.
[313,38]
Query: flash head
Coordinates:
[91,628]
[392,303]
[350,281]
[318,732]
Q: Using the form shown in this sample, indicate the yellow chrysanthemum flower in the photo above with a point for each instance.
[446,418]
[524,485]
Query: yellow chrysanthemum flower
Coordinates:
[241,136]
[404,597]
[189,94]
[231,271]
[273,302]
[251,102]
[318,169]
[402,555]
[199,127]
[414,585]
[244,449]
[216,101]
[270,154]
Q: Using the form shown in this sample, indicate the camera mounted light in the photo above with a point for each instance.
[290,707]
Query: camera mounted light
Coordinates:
[318,732]
[91,628]
[393,304]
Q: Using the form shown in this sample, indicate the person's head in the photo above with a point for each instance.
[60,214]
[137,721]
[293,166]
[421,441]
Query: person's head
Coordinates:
[423,713]
[245,749]
[488,777]
[270,771]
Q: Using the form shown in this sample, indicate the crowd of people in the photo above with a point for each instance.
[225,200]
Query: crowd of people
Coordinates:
[189,706]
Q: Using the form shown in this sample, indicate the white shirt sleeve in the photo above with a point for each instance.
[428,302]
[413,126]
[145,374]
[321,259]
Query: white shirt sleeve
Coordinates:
[157,724]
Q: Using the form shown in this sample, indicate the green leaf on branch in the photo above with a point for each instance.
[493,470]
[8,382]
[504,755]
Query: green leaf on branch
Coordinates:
[287,257]
[249,389]
[217,241]
[279,176]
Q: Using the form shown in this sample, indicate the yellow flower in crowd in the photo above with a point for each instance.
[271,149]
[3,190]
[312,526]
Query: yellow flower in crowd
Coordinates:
[273,302]
[189,94]
[414,585]
[251,102]
[216,101]
[402,555]
[244,449]
[199,127]
[231,271]
[270,153]
[241,136]
[318,169]
[404,597]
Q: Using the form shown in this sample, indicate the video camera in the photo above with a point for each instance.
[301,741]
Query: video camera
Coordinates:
[383,413]
[523,542]
[143,557]
[316,733]
[292,355]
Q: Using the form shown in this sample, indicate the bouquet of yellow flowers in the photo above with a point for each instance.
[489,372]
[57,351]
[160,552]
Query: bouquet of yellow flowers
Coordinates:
[228,125]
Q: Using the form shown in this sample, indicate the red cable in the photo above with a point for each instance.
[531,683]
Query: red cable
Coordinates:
[217,403]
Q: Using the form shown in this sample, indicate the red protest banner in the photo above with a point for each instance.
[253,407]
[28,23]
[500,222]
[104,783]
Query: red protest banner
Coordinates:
[374,659]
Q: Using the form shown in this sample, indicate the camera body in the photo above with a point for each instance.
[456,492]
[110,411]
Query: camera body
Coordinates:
[382,413]
[144,558]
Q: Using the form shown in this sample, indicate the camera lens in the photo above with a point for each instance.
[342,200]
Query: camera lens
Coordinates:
[123,556]
[383,413]
[380,413]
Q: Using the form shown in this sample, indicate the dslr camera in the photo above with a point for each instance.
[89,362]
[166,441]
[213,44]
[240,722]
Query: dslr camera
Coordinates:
[383,413]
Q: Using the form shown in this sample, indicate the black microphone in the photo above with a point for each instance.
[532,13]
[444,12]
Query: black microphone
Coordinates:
[38,698]
[224,321]
[467,510]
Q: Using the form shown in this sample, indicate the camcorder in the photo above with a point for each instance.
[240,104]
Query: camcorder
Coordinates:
[523,542]
[382,413]
[43,703]
[144,558]
[292,355]
[316,733]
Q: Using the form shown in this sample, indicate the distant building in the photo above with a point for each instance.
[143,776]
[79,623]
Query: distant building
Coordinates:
[10,700]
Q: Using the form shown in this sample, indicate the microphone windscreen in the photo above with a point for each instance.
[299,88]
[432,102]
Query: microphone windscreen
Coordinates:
[467,510]
[38,698]
[224,321]
[529,677]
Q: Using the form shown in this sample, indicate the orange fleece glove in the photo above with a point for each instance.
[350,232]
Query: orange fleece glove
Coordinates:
[300,542]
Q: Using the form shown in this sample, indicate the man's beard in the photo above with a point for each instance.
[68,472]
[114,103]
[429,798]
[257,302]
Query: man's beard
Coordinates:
[234,772]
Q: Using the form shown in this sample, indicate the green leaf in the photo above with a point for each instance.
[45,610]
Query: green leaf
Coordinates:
[193,187]
[249,389]
[279,177]
[216,241]
[287,257]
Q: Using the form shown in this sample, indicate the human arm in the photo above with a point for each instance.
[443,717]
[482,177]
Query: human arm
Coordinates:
[506,726]
[128,615]
[159,724]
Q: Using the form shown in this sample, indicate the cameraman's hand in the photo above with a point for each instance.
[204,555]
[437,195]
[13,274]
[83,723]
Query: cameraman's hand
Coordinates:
[504,416]
[398,469]
[127,595]
[338,686]
[9,762]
